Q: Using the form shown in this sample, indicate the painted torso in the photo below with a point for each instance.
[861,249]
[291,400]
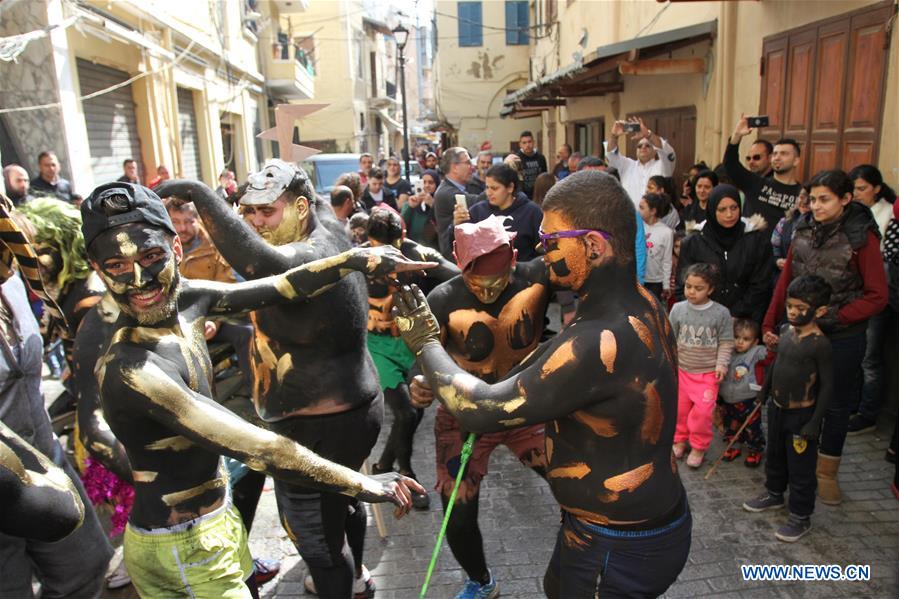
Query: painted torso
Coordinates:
[309,356]
[487,340]
[175,480]
[610,462]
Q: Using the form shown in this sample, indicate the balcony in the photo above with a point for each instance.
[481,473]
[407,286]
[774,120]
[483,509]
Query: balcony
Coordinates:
[289,74]
[290,7]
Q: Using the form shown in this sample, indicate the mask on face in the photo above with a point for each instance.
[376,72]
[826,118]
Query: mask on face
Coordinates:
[148,292]
[487,288]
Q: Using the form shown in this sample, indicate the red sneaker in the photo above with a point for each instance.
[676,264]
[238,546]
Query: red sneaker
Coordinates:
[265,569]
[732,454]
[753,459]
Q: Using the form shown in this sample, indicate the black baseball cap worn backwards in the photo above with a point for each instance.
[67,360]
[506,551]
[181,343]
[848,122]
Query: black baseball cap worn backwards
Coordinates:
[144,207]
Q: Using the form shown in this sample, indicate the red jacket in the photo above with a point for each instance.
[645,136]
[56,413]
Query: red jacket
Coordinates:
[869,262]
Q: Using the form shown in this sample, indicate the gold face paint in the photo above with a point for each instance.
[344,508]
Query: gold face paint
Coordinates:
[290,229]
[487,288]
[126,245]
[567,256]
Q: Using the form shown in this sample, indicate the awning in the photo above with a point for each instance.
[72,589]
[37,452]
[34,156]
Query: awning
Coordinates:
[599,72]
[388,120]
[375,25]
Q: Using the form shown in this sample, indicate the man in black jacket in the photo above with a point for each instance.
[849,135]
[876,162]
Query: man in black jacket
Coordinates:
[455,164]
[532,162]
[375,193]
[769,197]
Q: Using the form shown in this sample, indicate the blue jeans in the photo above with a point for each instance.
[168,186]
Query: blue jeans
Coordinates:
[630,564]
[872,368]
[848,353]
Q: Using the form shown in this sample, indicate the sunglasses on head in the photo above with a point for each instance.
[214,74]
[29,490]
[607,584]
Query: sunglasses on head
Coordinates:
[753,157]
[545,238]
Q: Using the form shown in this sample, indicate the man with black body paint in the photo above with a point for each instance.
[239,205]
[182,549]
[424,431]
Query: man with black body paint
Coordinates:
[38,498]
[491,318]
[155,382]
[315,382]
[606,386]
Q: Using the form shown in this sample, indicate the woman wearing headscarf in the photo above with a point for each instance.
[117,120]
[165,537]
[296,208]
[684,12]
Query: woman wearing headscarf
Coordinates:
[739,248]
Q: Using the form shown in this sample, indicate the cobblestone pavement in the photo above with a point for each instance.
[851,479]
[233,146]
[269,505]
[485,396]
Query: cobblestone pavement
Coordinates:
[519,518]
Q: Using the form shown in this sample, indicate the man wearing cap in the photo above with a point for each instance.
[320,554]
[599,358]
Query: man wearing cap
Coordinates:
[155,378]
[491,318]
[315,382]
[606,387]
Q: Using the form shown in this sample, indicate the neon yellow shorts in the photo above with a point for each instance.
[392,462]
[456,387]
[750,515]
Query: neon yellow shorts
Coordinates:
[206,558]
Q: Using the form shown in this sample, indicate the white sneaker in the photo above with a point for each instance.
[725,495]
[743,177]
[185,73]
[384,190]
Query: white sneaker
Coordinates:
[117,576]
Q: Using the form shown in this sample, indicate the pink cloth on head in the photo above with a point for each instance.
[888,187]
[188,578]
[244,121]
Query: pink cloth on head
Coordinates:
[474,240]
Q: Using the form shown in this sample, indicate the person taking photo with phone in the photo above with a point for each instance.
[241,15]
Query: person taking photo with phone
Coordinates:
[654,157]
[770,197]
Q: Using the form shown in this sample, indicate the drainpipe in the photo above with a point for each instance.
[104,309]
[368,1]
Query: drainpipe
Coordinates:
[727,43]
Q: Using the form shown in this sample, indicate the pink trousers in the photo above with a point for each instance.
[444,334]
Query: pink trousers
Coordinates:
[696,395]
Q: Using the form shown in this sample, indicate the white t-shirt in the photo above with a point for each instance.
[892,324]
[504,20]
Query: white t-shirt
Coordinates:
[635,175]
[660,240]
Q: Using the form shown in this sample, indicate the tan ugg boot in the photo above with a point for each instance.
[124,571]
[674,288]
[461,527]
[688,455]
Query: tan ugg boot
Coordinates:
[828,486]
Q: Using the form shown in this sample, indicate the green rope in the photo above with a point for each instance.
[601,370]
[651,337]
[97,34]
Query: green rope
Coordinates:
[466,454]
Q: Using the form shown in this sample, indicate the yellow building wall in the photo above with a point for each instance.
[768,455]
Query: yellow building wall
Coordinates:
[337,24]
[155,95]
[734,85]
[471,82]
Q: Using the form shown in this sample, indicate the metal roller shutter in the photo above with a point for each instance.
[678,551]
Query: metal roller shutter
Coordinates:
[110,120]
[190,141]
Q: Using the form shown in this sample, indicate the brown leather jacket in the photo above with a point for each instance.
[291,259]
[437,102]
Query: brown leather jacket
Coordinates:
[205,262]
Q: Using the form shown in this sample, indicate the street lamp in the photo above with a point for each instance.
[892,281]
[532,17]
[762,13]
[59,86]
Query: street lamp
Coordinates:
[401,35]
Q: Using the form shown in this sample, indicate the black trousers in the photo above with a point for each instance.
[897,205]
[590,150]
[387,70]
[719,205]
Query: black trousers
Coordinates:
[788,463]
[328,529]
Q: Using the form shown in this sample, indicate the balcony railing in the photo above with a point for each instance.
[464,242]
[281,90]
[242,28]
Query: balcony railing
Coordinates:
[290,73]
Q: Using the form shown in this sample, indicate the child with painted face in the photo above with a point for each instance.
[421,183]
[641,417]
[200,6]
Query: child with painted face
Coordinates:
[800,387]
[705,342]
[659,242]
[839,241]
[738,392]
[156,390]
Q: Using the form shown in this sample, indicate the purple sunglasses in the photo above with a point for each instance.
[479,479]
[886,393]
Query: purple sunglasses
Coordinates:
[545,237]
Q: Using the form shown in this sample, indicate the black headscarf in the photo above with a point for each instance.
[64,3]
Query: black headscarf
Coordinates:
[724,237]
